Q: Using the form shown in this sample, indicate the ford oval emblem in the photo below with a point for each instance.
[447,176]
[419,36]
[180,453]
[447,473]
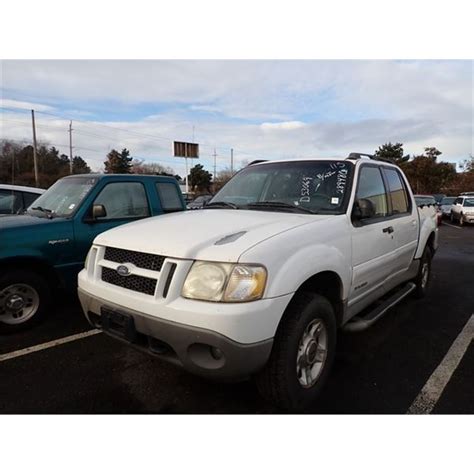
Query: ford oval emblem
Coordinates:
[123,270]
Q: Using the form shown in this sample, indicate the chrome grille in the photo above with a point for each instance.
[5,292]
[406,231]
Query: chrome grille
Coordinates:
[137,283]
[139,259]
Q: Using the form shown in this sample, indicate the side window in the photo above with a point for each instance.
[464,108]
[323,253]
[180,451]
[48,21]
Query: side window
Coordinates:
[30,198]
[123,200]
[371,187]
[397,191]
[169,197]
[10,202]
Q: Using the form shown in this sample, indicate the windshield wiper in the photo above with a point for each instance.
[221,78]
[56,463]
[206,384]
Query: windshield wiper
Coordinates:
[221,204]
[49,213]
[279,205]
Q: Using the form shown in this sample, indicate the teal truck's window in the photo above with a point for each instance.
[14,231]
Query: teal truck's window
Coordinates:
[63,197]
[169,196]
[123,200]
[371,187]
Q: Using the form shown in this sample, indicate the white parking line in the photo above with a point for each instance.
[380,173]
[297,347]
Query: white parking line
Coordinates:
[453,226]
[47,345]
[434,387]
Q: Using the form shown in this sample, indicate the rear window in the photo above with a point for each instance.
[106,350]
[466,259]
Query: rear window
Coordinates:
[169,197]
[397,191]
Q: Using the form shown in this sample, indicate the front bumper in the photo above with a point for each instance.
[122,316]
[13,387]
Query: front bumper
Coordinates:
[190,347]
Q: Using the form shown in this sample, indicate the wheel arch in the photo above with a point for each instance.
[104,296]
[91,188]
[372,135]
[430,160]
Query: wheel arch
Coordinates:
[328,284]
[35,264]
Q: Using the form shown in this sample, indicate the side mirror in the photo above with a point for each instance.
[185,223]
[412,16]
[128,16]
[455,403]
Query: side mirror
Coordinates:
[98,210]
[363,209]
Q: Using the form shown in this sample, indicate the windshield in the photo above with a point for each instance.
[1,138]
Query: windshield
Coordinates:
[447,201]
[468,202]
[63,197]
[424,200]
[299,186]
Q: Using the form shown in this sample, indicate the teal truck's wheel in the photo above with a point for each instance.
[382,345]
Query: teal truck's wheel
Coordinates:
[302,354]
[24,296]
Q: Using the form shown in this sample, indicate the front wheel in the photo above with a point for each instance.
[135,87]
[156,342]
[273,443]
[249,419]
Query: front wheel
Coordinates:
[302,354]
[24,297]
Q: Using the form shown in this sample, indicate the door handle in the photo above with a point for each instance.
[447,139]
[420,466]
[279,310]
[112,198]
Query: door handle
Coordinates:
[388,230]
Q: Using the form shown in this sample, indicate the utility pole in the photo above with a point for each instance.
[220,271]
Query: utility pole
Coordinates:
[186,161]
[70,147]
[215,156]
[232,161]
[35,160]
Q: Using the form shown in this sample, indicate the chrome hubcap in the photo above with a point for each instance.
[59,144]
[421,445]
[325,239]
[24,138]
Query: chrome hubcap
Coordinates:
[312,353]
[18,303]
[425,273]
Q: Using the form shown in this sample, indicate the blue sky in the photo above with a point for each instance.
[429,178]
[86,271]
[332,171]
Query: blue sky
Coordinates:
[262,109]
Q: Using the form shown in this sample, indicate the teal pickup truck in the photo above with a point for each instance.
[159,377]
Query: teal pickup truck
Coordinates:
[45,248]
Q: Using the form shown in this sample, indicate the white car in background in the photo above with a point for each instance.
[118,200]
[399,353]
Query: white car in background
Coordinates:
[446,204]
[15,199]
[462,210]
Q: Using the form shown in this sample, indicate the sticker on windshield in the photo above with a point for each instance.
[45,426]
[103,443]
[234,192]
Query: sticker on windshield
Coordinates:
[72,206]
[335,200]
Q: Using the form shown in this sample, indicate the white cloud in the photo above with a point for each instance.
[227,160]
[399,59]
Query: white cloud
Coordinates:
[263,109]
[291,125]
[18,104]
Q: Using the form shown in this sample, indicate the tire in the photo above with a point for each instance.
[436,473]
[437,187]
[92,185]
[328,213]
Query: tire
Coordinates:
[422,280]
[280,382]
[24,299]
[451,217]
[461,221]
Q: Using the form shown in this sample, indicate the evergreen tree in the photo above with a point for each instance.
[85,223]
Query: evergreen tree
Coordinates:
[199,178]
[393,152]
[79,166]
[118,162]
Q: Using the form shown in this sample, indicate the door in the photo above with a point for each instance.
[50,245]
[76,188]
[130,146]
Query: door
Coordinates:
[404,221]
[372,239]
[123,202]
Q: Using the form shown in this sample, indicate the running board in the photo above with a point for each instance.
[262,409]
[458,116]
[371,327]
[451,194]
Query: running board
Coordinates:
[364,322]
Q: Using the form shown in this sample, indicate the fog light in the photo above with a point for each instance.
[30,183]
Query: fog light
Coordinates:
[216,353]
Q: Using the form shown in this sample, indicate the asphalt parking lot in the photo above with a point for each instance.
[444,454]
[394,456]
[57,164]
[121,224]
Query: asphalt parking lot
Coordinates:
[415,348]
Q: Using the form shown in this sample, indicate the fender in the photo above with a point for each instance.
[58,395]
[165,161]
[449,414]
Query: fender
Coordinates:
[427,229]
[308,250]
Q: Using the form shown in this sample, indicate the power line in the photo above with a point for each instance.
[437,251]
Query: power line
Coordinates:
[153,137]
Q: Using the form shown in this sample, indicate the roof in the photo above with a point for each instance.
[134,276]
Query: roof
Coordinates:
[292,160]
[113,175]
[27,189]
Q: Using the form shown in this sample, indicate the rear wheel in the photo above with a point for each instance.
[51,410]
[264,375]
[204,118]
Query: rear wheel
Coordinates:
[424,274]
[24,297]
[302,354]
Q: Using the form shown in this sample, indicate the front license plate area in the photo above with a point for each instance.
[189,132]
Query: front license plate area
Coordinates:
[118,324]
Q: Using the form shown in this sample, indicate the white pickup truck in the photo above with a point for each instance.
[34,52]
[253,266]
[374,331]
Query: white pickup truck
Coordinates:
[259,282]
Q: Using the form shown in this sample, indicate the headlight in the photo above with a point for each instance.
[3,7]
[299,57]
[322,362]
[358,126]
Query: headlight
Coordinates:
[226,282]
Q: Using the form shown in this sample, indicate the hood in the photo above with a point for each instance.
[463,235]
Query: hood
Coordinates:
[217,234]
[14,221]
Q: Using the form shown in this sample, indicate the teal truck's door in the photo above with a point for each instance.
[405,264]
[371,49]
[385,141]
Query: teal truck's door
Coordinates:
[123,201]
